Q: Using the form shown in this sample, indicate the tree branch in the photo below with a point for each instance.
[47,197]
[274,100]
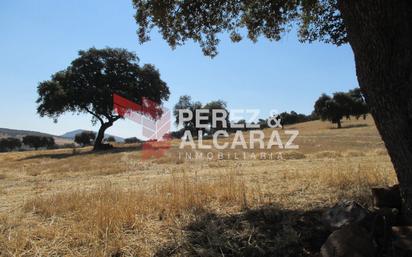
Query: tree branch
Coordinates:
[115,118]
[112,118]
[94,114]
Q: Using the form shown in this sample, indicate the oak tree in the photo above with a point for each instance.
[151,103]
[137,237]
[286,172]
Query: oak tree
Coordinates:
[38,141]
[88,85]
[9,144]
[85,138]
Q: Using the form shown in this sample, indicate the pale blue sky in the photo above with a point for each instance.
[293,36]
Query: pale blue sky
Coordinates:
[38,38]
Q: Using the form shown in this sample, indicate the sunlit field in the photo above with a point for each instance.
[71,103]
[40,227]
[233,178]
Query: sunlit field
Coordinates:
[79,203]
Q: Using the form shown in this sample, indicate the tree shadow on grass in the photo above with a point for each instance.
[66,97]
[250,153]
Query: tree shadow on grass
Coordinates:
[267,231]
[71,154]
[352,126]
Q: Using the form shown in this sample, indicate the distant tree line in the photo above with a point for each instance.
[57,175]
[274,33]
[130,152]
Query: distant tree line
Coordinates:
[36,142]
[85,138]
[132,140]
[340,105]
[289,118]
[9,144]
[185,102]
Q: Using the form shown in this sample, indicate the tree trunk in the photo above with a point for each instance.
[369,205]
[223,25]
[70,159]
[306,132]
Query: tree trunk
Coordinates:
[380,33]
[98,145]
[339,124]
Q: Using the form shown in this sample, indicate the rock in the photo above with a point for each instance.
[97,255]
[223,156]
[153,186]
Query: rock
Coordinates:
[391,215]
[388,197]
[343,214]
[380,222]
[402,237]
[350,241]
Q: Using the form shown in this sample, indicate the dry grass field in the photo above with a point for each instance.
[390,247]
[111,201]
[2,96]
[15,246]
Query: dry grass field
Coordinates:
[61,203]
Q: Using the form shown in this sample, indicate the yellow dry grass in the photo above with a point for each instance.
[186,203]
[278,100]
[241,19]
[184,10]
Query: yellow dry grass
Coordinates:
[56,203]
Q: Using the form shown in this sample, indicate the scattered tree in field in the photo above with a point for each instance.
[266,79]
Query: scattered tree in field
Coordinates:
[379,32]
[88,85]
[85,138]
[37,141]
[220,108]
[241,122]
[132,140]
[32,141]
[111,139]
[185,103]
[177,134]
[263,124]
[327,109]
[48,142]
[341,105]
[359,107]
[9,144]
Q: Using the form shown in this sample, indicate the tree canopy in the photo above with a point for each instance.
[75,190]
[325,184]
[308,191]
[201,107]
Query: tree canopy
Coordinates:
[185,103]
[85,138]
[9,144]
[202,21]
[220,107]
[294,117]
[38,141]
[88,85]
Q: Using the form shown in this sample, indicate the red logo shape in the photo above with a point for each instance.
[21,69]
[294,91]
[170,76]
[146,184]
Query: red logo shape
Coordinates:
[155,121]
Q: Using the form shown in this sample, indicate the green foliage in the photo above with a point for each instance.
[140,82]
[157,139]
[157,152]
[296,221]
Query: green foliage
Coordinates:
[85,138]
[185,103]
[88,85]
[132,140]
[286,118]
[177,134]
[240,122]
[359,107]
[202,21]
[341,105]
[220,107]
[48,142]
[9,144]
[294,117]
[38,141]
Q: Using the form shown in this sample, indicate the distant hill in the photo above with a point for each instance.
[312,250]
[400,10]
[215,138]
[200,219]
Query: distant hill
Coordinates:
[66,138]
[16,133]
[72,134]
